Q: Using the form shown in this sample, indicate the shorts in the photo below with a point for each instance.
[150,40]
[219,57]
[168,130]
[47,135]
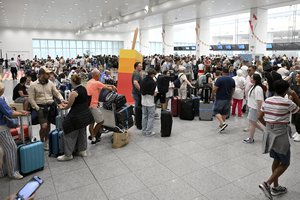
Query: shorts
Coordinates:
[43,116]
[97,114]
[284,159]
[161,97]
[252,115]
[222,107]
[20,100]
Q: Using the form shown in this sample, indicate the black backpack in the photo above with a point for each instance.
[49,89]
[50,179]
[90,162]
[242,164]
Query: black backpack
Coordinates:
[162,84]
[177,82]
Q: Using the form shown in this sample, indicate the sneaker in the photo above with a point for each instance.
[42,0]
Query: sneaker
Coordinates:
[297,138]
[104,130]
[82,154]
[64,158]
[222,127]
[248,140]
[295,135]
[90,137]
[246,129]
[265,187]
[95,140]
[46,146]
[17,176]
[150,134]
[275,191]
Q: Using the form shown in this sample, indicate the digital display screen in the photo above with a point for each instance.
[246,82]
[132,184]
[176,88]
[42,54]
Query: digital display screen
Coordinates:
[269,46]
[228,47]
[241,46]
[220,47]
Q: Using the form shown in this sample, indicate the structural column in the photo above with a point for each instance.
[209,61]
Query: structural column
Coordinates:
[144,42]
[168,40]
[258,22]
[203,40]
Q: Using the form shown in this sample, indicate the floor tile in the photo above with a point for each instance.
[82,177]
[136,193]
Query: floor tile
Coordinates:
[188,147]
[183,165]
[88,192]
[175,189]
[205,180]
[122,185]
[72,180]
[109,169]
[155,175]
[166,154]
[58,168]
[145,194]
[207,158]
[139,161]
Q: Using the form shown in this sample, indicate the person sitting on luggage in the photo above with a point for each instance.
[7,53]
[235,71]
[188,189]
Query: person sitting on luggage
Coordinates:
[184,82]
[75,123]
[20,94]
[94,87]
[7,143]
[41,94]
[148,86]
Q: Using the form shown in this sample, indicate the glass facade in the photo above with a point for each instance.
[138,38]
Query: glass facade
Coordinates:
[71,48]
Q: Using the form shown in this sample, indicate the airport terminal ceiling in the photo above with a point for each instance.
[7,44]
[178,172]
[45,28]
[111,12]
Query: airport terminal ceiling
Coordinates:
[107,15]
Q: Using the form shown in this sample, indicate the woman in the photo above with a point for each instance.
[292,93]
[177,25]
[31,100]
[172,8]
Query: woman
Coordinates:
[296,117]
[7,143]
[184,82]
[170,93]
[255,100]
[75,123]
[238,95]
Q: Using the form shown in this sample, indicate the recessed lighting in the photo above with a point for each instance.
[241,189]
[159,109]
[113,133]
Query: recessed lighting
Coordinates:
[52,1]
[25,4]
[117,8]
[75,4]
[212,1]
[105,1]
[70,8]
[126,4]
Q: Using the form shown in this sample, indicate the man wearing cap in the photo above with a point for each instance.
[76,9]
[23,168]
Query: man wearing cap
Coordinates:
[41,93]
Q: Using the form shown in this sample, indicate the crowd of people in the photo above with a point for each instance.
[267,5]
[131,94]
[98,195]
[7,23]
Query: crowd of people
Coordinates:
[267,90]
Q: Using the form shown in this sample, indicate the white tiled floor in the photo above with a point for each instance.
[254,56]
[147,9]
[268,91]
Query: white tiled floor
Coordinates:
[195,163]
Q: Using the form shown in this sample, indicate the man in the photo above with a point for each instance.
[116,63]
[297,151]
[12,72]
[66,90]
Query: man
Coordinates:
[224,89]
[94,87]
[275,115]
[136,82]
[20,94]
[13,68]
[148,86]
[41,93]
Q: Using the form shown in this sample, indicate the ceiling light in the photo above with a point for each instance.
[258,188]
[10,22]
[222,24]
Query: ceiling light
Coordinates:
[0,1]
[105,1]
[75,4]
[25,4]
[126,4]
[146,9]
[212,1]
[117,8]
[52,1]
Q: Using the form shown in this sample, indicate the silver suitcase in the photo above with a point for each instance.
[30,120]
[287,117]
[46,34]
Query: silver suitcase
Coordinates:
[206,111]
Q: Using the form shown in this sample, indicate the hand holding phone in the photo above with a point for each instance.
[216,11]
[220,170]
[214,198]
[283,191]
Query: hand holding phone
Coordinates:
[26,192]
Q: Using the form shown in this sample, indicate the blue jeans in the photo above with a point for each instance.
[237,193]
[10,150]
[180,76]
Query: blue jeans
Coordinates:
[148,119]
[137,100]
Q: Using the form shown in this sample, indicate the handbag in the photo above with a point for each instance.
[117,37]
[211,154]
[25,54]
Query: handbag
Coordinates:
[120,139]
[11,122]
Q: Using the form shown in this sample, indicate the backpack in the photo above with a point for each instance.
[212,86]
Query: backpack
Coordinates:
[203,80]
[177,82]
[162,84]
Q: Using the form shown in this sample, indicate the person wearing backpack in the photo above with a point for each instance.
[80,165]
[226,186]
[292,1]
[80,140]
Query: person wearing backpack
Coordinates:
[184,82]
[162,83]
[205,81]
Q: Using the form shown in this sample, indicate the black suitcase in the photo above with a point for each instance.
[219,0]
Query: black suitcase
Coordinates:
[126,124]
[120,101]
[166,123]
[138,117]
[124,113]
[186,109]
[196,101]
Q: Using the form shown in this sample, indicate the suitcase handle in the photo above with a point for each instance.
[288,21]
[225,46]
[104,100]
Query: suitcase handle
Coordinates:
[29,122]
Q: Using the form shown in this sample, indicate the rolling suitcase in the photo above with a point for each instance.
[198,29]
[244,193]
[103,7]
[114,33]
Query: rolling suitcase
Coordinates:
[196,101]
[175,106]
[186,109]
[120,101]
[124,113]
[206,111]
[126,124]
[138,117]
[31,155]
[166,123]
[56,142]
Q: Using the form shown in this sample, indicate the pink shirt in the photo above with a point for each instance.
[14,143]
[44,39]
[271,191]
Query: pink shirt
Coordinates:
[93,88]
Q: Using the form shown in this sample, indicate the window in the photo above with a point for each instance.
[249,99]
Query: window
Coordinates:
[72,48]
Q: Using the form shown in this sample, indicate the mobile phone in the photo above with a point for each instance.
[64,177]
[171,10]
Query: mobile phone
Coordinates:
[31,187]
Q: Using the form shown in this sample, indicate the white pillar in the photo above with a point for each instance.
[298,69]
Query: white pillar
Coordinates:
[144,42]
[260,29]
[202,48]
[168,45]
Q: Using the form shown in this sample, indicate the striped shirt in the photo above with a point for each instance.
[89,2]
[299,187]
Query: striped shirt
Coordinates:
[277,110]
